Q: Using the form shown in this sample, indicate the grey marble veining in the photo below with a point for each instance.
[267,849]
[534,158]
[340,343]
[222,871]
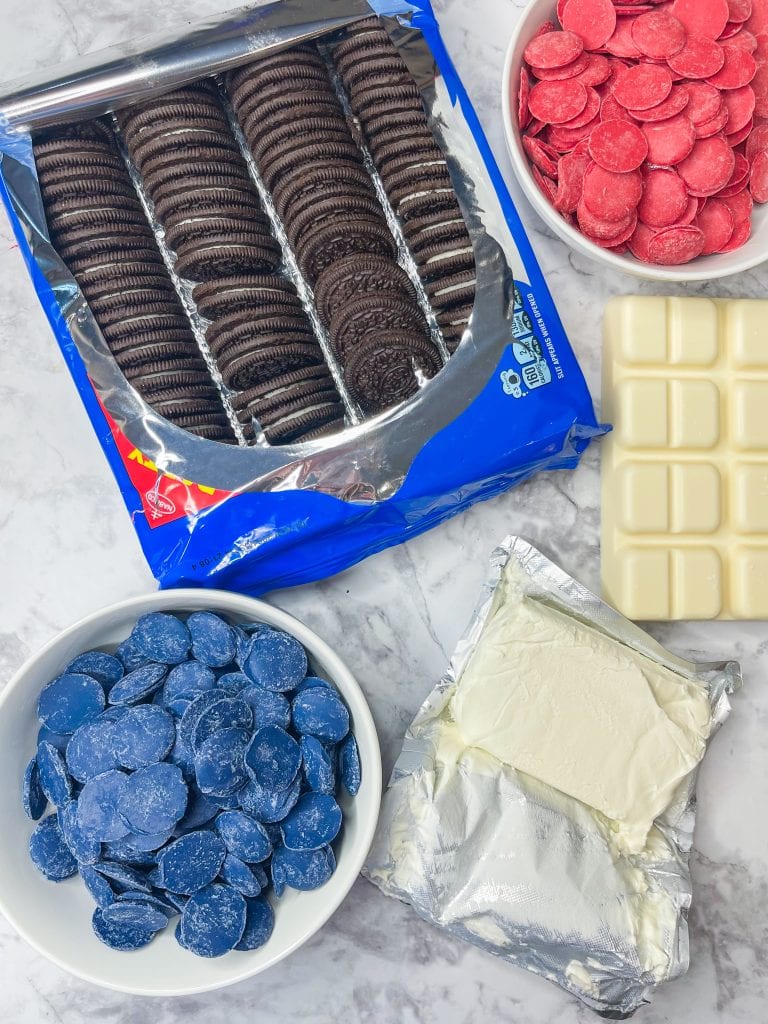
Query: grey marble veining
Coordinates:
[68,548]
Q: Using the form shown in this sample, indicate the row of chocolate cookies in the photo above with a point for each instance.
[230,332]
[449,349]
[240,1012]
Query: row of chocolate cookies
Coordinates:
[303,147]
[99,229]
[259,336]
[389,110]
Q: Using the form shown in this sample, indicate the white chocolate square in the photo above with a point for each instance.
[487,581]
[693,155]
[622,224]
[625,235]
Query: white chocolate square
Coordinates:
[685,471]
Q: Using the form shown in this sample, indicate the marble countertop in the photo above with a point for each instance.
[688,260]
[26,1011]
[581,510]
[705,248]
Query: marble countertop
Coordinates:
[68,548]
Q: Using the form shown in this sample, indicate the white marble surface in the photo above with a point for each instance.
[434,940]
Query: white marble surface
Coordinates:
[68,548]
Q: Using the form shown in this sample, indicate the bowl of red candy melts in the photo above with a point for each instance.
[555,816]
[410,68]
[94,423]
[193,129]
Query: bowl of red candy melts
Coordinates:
[639,130]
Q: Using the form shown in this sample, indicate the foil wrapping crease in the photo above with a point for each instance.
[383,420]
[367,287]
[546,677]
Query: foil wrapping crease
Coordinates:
[506,863]
[368,461]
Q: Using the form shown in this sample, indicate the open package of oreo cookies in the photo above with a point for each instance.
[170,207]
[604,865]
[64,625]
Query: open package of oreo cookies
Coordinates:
[291,287]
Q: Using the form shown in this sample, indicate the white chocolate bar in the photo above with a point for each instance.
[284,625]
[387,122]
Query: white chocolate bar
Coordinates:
[685,472]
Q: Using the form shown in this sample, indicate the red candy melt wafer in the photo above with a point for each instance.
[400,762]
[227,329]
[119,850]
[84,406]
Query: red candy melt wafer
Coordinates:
[709,166]
[553,49]
[642,86]
[557,102]
[598,228]
[740,104]
[618,146]
[593,20]
[758,178]
[701,57]
[704,101]
[665,198]
[738,69]
[610,196]
[658,34]
[669,141]
[674,103]
[702,17]
[676,245]
[716,223]
[739,10]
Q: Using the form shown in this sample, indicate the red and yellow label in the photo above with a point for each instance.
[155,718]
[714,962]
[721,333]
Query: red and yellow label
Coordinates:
[164,496]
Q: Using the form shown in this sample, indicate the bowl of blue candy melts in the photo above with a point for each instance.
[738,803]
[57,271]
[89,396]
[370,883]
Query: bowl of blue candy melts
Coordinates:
[190,785]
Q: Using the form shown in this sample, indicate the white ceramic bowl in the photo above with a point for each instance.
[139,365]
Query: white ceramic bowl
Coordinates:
[56,918]
[705,268]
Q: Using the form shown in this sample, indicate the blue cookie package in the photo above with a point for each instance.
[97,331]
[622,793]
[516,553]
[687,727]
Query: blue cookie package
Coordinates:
[194,802]
[506,400]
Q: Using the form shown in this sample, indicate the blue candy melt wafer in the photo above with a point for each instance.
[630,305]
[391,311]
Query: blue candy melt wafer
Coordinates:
[139,684]
[99,888]
[70,700]
[314,822]
[189,678]
[153,799]
[189,719]
[97,806]
[276,661]
[104,668]
[83,847]
[273,758]
[134,848]
[54,778]
[304,869]
[277,877]
[220,762]
[134,914]
[90,751]
[119,936]
[244,836]
[269,805]
[162,637]
[233,682]
[130,656]
[310,682]
[268,708]
[319,768]
[48,851]
[237,874]
[320,712]
[181,754]
[227,713]
[56,739]
[161,903]
[191,862]
[213,639]
[213,921]
[259,923]
[143,736]
[349,762]
[123,876]
[200,810]
[33,799]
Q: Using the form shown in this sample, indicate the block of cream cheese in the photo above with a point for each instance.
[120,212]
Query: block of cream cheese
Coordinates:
[576,709]
[685,473]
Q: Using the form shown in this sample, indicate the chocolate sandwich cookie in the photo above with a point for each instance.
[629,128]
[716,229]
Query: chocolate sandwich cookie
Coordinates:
[298,383]
[150,120]
[270,291]
[328,243]
[319,433]
[257,119]
[227,255]
[381,371]
[182,138]
[445,259]
[224,222]
[370,314]
[298,154]
[175,381]
[191,192]
[249,366]
[441,232]
[309,129]
[356,277]
[151,358]
[293,423]
[139,304]
[111,290]
[259,321]
[348,206]
[310,185]
[106,266]
[449,292]
[252,336]
[164,318]
[118,301]
[274,66]
[75,186]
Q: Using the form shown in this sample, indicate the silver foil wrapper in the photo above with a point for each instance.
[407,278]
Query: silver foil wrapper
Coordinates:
[512,866]
[368,461]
